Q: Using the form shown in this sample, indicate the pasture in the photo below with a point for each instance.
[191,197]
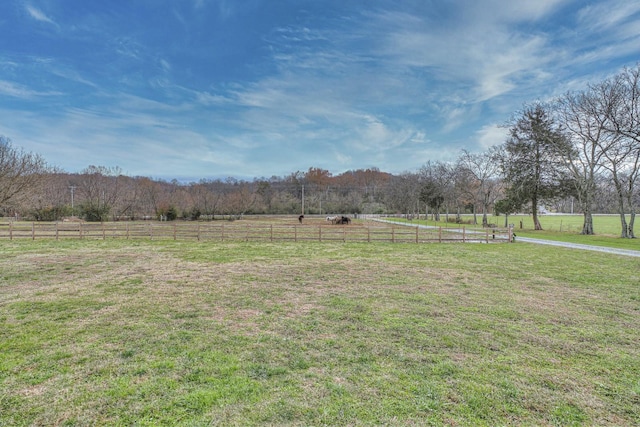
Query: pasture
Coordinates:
[145,332]
[566,228]
[259,228]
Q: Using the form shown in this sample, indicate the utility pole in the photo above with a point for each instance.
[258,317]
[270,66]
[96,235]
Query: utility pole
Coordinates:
[72,188]
[302,199]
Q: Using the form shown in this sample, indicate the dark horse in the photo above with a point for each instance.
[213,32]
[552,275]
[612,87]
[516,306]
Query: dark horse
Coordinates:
[343,220]
[300,218]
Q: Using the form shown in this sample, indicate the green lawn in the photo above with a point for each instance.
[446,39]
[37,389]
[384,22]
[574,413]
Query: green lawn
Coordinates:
[186,333]
[564,228]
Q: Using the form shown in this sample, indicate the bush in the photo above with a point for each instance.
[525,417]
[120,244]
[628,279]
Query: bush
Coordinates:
[171,213]
[194,214]
[50,213]
[94,213]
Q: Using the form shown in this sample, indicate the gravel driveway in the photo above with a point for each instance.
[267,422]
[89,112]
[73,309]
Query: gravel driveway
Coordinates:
[626,252]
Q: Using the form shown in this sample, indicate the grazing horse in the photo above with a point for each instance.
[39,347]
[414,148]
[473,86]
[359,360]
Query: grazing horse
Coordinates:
[300,218]
[342,220]
[331,219]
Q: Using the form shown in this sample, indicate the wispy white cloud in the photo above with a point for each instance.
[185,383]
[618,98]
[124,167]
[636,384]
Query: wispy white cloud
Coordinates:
[23,92]
[490,135]
[39,15]
[608,15]
[508,11]
[488,56]
[608,30]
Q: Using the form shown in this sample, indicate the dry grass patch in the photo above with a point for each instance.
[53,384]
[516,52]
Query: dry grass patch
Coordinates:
[177,333]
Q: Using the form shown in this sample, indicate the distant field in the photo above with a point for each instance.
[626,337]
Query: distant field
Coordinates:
[562,227]
[603,224]
[143,332]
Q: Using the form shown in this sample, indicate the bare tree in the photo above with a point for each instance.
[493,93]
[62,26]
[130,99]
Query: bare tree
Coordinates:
[626,123]
[402,193]
[20,173]
[52,200]
[624,158]
[130,201]
[622,164]
[431,189]
[436,187]
[240,199]
[99,188]
[482,170]
[586,118]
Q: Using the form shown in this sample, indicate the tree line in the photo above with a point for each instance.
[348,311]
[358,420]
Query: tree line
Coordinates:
[581,150]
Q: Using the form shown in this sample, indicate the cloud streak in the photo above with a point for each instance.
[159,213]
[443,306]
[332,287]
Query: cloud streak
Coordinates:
[39,15]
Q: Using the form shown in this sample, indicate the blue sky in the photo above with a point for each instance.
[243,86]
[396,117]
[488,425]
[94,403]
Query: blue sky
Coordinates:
[193,89]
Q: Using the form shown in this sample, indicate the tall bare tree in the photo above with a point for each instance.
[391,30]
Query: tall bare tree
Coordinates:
[52,200]
[437,189]
[483,173]
[622,165]
[403,192]
[613,111]
[21,173]
[586,116]
[99,188]
[626,123]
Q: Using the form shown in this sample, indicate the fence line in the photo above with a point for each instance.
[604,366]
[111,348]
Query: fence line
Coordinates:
[237,231]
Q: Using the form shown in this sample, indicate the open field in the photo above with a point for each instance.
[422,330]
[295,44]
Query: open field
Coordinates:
[121,332]
[565,228]
[608,225]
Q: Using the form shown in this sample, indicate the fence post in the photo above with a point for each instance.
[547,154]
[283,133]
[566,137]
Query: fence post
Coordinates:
[80,230]
[271,232]
[464,232]
[33,231]
[198,233]
[417,228]
[393,234]
[174,231]
[320,233]
[150,232]
[11,231]
[222,232]
[487,238]
[295,233]
[127,231]
[368,234]
[104,235]
[56,230]
[440,234]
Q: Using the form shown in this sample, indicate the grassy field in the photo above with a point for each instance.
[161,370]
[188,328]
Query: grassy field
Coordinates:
[565,228]
[306,334]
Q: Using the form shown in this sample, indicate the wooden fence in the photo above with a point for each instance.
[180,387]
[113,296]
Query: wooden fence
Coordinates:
[249,231]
